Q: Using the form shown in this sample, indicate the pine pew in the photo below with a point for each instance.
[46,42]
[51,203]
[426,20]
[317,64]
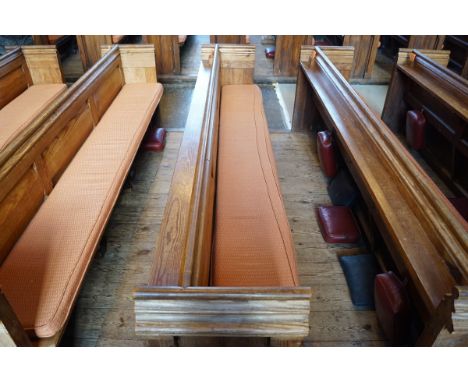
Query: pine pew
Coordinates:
[287,53]
[61,42]
[58,186]
[426,238]
[180,300]
[30,80]
[89,47]
[229,39]
[341,56]
[365,52]
[421,81]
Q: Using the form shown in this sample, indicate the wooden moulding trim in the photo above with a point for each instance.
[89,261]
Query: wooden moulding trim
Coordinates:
[8,58]
[218,311]
[196,229]
[171,247]
[231,56]
[448,231]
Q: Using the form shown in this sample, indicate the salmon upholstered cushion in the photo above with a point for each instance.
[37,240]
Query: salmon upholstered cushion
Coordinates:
[116,38]
[15,116]
[182,38]
[42,274]
[253,245]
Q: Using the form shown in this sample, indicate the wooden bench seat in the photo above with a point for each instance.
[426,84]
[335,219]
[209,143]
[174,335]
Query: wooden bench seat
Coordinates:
[253,243]
[30,80]
[87,147]
[224,264]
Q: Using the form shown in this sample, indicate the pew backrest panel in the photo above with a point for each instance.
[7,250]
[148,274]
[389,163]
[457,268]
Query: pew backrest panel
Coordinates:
[341,56]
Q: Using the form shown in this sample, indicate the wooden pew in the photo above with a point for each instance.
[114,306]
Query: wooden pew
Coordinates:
[167,51]
[420,81]
[30,80]
[458,47]
[90,47]
[58,185]
[171,305]
[425,236]
[365,52]
[431,42]
[229,39]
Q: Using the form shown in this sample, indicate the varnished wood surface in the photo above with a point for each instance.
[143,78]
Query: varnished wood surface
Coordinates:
[287,54]
[104,313]
[341,56]
[167,53]
[399,193]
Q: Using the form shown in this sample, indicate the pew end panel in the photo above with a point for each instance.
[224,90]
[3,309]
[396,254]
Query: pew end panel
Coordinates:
[420,207]
[281,313]
[138,62]
[237,62]
[167,52]
[341,56]
[43,64]
[14,76]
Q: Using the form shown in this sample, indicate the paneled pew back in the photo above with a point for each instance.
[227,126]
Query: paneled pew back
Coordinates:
[179,300]
[32,165]
[421,81]
[426,238]
[90,47]
[341,56]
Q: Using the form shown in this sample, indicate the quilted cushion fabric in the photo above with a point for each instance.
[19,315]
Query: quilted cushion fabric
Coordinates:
[15,116]
[252,240]
[42,274]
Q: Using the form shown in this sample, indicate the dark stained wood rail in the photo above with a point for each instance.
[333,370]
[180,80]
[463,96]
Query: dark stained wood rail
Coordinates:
[178,300]
[420,82]
[424,234]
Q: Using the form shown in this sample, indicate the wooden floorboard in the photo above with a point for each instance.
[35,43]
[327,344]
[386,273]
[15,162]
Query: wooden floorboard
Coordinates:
[104,312]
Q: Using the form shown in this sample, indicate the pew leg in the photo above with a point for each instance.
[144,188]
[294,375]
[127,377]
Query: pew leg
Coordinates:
[285,342]
[163,341]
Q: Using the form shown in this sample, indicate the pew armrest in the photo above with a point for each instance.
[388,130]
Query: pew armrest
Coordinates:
[222,311]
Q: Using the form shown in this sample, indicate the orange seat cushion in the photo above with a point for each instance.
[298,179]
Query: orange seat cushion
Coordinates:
[15,116]
[116,38]
[253,245]
[42,274]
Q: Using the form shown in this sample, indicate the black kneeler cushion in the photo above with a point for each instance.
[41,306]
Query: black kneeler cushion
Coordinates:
[360,272]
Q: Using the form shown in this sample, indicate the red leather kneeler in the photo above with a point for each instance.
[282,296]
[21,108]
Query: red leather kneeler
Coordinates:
[155,140]
[392,307]
[326,153]
[415,129]
[338,225]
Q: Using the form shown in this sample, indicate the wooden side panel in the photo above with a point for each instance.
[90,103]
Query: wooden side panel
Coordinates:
[44,65]
[167,53]
[426,42]
[228,39]
[287,55]
[110,86]
[406,56]
[90,48]
[11,331]
[14,76]
[365,51]
[212,311]
[61,151]
[138,63]
[18,208]
[237,62]
[341,56]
